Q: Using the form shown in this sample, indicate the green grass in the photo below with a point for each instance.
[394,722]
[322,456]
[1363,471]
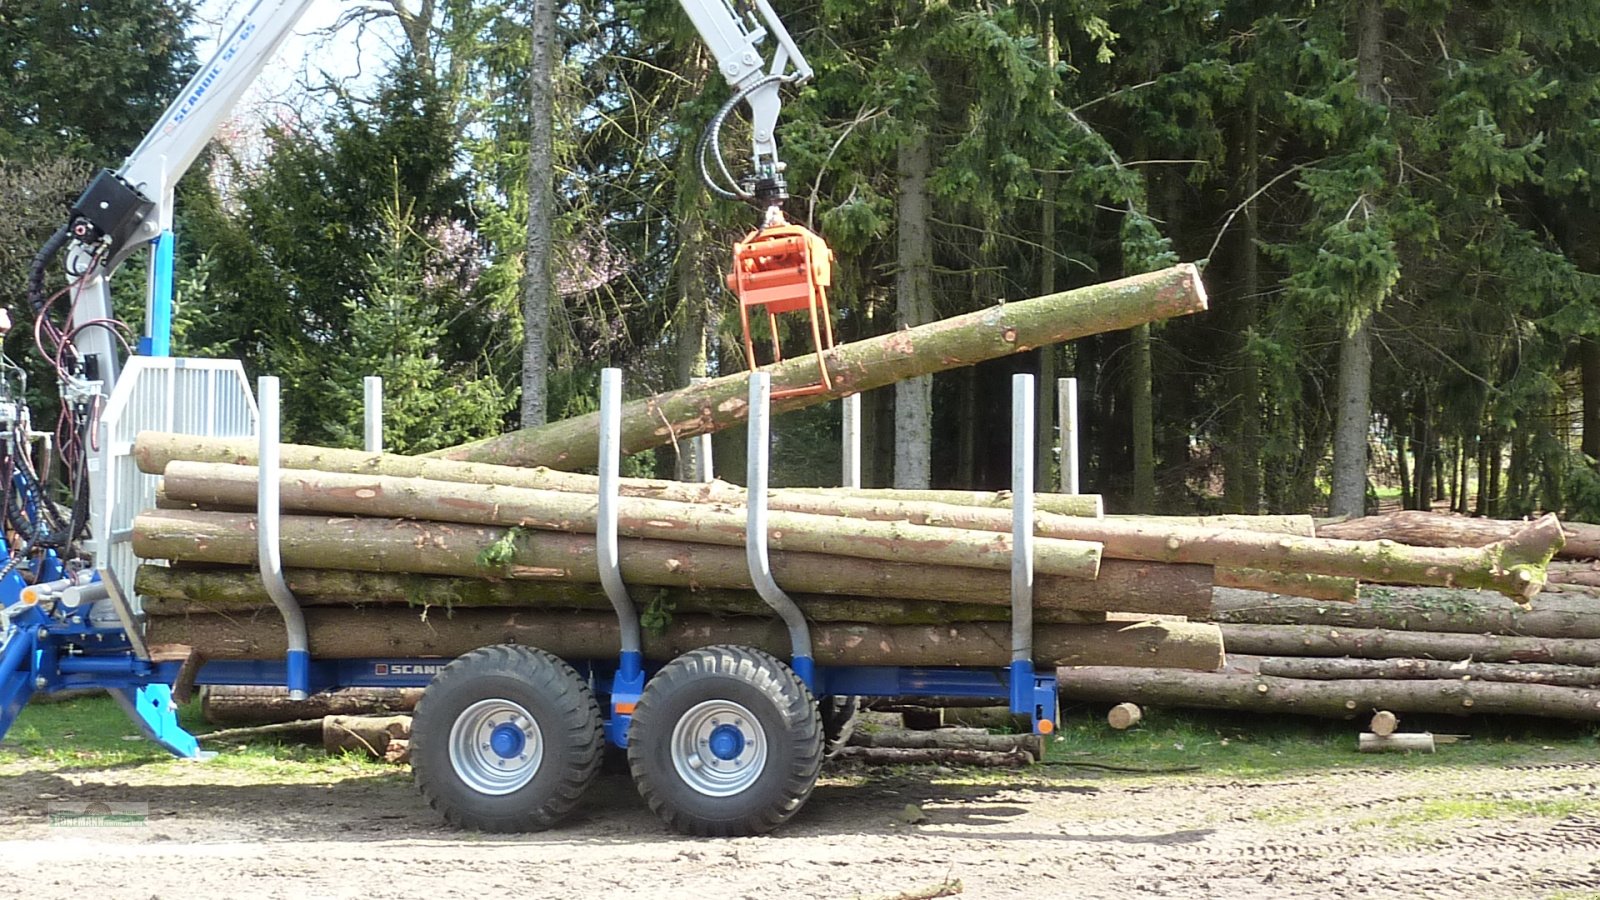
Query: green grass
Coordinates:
[94,733]
[1458,809]
[1251,746]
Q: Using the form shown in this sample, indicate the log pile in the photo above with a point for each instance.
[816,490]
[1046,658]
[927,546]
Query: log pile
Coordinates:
[1448,651]
[411,556]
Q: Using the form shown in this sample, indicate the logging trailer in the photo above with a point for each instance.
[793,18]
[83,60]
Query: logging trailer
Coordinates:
[721,740]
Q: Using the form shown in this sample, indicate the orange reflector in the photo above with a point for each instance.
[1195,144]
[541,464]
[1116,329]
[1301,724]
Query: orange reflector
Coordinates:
[30,597]
[1046,726]
[625,709]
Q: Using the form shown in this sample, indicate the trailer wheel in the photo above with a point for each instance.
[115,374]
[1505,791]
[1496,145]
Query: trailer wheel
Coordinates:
[505,739]
[838,722]
[725,741]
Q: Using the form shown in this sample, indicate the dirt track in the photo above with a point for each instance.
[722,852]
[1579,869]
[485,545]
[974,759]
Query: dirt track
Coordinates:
[1524,831]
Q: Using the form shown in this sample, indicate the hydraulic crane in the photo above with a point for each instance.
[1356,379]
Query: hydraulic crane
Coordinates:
[779,267]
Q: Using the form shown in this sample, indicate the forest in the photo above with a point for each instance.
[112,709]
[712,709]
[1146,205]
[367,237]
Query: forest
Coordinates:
[1391,201]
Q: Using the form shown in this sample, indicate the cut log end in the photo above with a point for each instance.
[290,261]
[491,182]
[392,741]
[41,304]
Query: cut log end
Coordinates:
[1384,723]
[1124,716]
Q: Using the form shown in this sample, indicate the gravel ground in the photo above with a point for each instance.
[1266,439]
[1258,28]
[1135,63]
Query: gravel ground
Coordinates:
[1450,831]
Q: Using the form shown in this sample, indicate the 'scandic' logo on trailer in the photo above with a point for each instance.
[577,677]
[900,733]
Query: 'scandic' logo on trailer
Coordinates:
[399,669]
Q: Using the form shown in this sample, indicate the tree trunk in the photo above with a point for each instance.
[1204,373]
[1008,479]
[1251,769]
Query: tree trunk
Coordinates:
[1334,669]
[1045,417]
[1124,716]
[699,523]
[1353,412]
[860,366]
[1395,743]
[1354,418]
[421,548]
[1428,529]
[1589,367]
[1331,699]
[384,633]
[1514,566]
[538,278]
[1090,505]
[1283,584]
[1378,643]
[1418,609]
[241,705]
[183,591]
[1142,408]
[913,397]
[154,451]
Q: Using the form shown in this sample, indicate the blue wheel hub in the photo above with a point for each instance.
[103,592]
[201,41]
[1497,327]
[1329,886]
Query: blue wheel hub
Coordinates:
[507,741]
[726,742]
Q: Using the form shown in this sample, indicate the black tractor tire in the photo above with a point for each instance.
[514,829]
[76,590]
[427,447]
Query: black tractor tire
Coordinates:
[496,681]
[757,708]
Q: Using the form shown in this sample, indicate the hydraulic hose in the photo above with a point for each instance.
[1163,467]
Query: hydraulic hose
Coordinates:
[41,263]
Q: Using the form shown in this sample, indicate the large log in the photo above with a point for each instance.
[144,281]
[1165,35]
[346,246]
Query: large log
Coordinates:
[1379,643]
[253,705]
[378,633]
[721,403]
[1091,505]
[1335,668]
[1514,567]
[236,590]
[384,496]
[424,548]
[1430,529]
[1289,584]
[1419,609]
[1332,699]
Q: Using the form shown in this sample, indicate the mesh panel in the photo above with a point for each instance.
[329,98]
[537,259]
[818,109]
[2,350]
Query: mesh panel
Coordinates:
[207,397]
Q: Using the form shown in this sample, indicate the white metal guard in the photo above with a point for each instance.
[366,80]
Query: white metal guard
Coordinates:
[206,397]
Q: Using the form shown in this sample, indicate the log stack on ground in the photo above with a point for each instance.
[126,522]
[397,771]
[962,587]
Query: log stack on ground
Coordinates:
[1396,650]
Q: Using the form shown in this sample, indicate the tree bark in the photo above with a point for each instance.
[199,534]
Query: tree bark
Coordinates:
[1142,409]
[1408,609]
[1395,743]
[538,278]
[1090,505]
[1353,412]
[1589,366]
[1378,643]
[155,450]
[1331,699]
[380,633]
[860,366]
[241,705]
[383,496]
[1430,529]
[1515,567]
[422,548]
[1340,668]
[171,591]
[1313,587]
[913,397]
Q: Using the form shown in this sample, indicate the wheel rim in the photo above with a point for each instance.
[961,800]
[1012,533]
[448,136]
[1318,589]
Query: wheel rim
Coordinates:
[718,748]
[496,747]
